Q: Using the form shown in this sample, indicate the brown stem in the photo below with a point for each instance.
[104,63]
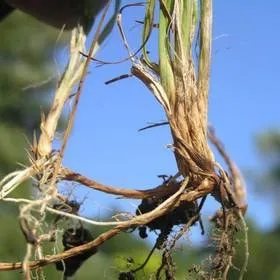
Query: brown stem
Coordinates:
[239,188]
[160,191]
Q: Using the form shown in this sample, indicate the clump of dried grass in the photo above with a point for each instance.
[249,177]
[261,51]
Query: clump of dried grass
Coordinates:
[180,83]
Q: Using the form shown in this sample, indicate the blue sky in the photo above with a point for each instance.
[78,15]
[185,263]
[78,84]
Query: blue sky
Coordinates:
[244,101]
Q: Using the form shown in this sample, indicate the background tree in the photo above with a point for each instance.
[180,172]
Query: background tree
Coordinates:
[27,54]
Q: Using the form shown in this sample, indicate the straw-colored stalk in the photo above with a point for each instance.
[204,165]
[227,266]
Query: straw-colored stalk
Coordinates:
[183,83]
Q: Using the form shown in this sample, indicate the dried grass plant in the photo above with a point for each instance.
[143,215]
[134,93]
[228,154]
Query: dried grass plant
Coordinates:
[180,83]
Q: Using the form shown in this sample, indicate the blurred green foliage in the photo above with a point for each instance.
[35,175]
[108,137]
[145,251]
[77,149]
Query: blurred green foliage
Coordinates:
[269,148]
[26,73]
[26,76]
